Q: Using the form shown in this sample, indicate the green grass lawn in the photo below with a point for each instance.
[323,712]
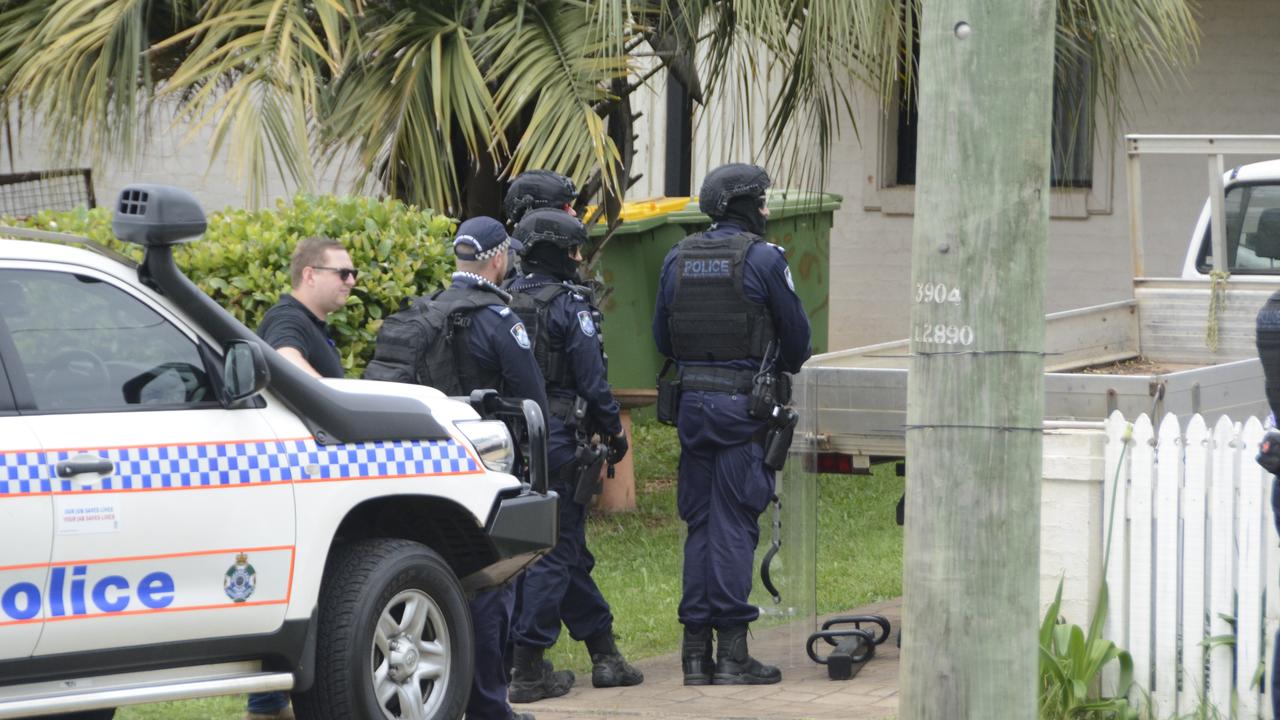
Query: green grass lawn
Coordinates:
[638,559]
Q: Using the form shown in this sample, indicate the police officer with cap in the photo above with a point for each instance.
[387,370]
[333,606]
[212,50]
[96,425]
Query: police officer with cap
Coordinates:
[500,346]
[566,339]
[727,313]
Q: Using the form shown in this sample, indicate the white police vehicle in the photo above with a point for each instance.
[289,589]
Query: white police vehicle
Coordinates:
[184,513]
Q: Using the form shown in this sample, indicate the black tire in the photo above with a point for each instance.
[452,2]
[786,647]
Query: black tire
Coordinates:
[401,580]
[107,714]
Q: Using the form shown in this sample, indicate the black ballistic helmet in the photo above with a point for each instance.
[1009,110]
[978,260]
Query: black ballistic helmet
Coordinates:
[731,181]
[547,225]
[533,189]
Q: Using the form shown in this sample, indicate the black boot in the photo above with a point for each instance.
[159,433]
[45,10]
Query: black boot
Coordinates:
[734,666]
[695,655]
[534,679]
[608,667]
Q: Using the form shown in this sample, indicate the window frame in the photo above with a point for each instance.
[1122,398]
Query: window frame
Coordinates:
[1202,264]
[1069,200]
[11,363]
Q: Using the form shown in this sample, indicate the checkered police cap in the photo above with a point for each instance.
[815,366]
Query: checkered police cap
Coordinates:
[480,238]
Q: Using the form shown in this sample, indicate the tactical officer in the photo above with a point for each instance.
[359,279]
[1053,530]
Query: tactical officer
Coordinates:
[566,339]
[534,189]
[728,314]
[500,346]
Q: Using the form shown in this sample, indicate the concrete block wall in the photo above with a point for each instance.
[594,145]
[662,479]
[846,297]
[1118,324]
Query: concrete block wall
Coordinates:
[1072,526]
[167,157]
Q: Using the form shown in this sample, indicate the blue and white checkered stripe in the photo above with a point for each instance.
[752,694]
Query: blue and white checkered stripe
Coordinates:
[248,463]
[378,459]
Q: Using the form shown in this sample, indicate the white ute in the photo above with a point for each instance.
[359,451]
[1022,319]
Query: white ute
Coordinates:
[184,513]
[855,400]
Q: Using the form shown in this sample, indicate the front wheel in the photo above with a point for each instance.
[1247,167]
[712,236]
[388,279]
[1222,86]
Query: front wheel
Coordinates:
[395,637]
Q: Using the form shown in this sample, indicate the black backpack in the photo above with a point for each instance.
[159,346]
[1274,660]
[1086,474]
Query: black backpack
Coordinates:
[533,306]
[425,344]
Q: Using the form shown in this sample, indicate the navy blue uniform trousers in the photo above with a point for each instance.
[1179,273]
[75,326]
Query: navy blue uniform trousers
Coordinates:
[559,586]
[491,621]
[723,488]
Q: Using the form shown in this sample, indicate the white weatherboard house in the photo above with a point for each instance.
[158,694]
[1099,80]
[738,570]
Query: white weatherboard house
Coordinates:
[1231,89]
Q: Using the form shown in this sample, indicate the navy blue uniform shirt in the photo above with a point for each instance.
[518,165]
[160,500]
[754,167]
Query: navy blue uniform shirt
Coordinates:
[766,280]
[572,327]
[499,343]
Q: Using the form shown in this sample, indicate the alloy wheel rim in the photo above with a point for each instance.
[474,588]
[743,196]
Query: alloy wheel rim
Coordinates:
[410,657]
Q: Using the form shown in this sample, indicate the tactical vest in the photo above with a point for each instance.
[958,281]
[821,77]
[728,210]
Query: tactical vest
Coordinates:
[711,318]
[427,344]
[533,305]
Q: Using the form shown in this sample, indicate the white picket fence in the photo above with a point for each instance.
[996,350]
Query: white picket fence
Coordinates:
[1193,549]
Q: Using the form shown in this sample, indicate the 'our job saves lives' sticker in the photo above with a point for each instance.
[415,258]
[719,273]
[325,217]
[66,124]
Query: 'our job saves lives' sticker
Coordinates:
[79,515]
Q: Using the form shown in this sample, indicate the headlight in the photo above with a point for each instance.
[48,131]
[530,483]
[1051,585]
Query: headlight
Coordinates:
[492,442]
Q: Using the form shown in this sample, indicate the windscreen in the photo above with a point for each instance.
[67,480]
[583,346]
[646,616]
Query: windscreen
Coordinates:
[1253,231]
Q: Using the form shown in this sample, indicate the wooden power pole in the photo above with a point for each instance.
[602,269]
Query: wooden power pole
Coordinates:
[976,397]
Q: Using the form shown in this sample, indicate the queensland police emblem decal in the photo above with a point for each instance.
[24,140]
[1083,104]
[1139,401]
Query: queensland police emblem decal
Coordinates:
[521,335]
[587,324]
[241,579]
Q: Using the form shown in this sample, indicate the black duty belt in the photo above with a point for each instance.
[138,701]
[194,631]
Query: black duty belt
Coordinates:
[714,379]
[560,406]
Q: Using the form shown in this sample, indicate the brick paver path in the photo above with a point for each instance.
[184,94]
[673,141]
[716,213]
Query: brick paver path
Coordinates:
[805,690]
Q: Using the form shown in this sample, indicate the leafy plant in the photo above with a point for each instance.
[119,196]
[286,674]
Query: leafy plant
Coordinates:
[1072,660]
[1071,665]
[242,261]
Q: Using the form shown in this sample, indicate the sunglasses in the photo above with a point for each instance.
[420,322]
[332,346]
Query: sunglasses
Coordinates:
[343,273]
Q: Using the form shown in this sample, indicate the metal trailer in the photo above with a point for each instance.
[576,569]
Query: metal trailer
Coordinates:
[856,400]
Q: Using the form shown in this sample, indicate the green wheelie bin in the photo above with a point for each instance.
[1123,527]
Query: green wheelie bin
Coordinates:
[630,262]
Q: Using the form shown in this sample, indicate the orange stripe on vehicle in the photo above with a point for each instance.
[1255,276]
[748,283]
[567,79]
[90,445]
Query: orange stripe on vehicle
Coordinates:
[123,613]
[159,556]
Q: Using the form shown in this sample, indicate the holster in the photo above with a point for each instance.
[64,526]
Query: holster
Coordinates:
[668,409]
[588,464]
[768,390]
[778,440]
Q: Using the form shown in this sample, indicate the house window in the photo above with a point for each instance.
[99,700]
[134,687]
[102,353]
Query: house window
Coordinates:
[1072,159]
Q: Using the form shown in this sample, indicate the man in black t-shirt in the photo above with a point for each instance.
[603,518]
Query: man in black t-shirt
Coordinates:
[322,276]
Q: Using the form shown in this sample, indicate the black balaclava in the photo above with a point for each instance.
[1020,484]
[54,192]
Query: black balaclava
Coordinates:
[549,259]
[744,211]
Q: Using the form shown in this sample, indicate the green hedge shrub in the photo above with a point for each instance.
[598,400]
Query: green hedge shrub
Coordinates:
[242,262]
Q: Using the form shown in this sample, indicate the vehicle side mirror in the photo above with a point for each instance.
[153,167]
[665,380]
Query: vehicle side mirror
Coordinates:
[244,372]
